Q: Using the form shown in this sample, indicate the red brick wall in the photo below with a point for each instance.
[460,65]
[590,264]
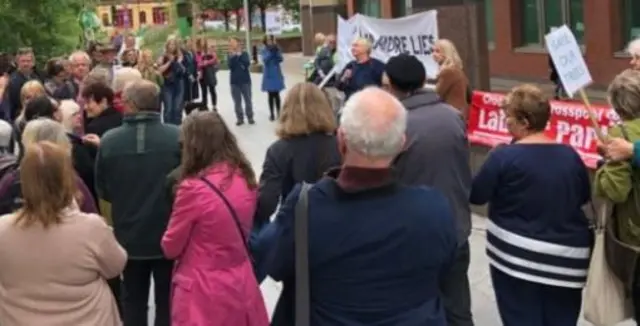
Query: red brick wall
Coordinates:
[602,40]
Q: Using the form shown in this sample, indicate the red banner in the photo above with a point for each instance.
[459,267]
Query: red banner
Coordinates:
[569,124]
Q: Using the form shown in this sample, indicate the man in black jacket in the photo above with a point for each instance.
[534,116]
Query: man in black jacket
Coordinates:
[25,62]
[132,165]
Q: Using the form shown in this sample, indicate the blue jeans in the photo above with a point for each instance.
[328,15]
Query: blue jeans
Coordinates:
[239,93]
[173,100]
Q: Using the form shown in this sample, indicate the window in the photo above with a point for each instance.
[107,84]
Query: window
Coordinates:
[123,18]
[399,8]
[368,7]
[540,16]
[631,20]
[490,25]
[159,16]
[105,19]
[142,17]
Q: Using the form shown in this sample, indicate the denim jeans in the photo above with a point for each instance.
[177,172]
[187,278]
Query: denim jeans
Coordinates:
[173,100]
[239,93]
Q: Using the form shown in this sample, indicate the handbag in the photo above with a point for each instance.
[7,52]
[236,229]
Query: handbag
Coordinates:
[234,215]
[604,302]
[621,257]
[301,243]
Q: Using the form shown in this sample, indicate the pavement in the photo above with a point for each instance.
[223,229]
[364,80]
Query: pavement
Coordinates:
[255,139]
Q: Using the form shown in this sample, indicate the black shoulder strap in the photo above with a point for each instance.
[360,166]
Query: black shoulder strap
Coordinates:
[301,243]
[232,211]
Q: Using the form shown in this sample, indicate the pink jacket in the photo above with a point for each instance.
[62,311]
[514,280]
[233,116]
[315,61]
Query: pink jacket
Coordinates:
[213,281]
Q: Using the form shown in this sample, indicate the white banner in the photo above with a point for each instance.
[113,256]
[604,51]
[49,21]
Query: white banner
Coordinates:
[273,22]
[346,36]
[415,35]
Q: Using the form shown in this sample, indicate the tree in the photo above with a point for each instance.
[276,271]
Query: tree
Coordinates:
[223,6]
[50,27]
[262,5]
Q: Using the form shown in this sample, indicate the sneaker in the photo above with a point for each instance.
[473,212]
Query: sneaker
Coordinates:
[251,122]
[239,123]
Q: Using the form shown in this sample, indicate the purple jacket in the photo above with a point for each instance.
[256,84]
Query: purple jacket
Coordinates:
[86,206]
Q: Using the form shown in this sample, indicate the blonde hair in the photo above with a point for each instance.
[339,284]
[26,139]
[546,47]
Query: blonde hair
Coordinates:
[306,110]
[364,42]
[68,108]
[124,76]
[319,38]
[624,94]
[29,90]
[44,129]
[528,104]
[450,54]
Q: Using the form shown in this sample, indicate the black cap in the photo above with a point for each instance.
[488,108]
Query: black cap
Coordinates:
[406,73]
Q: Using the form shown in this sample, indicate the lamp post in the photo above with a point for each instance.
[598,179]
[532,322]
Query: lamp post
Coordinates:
[247,30]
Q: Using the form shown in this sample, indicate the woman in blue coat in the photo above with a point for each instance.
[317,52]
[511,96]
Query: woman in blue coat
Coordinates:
[272,78]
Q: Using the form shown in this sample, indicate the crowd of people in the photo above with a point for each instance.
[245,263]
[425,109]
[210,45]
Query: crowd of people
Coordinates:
[104,187]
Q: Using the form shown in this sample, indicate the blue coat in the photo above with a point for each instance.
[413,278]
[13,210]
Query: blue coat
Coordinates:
[272,78]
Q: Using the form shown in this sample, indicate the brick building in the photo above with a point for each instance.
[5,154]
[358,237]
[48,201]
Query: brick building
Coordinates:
[516,28]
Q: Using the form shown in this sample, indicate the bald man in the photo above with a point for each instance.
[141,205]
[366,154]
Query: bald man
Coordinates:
[377,249]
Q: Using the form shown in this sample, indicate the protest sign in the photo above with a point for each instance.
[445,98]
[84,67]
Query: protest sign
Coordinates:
[569,124]
[346,36]
[571,67]
[273,22]
[414,34]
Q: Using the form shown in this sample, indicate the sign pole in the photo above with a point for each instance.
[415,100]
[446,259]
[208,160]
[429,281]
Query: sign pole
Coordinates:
[592,115]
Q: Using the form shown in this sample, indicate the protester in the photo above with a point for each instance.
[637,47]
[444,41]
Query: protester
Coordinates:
[210,222]
[25,72]
[377,249]
[129,58]
[105,59]
[362,72]
[452,84]
[208,73]
[190,79]
[617,181]
[240,79]
[634,50]
[59,257]
[99,106]
[122,78]
[147,67]
[324,61]
[129,44]
[272,77]
[30,90]
[58,84]
[80,67]
[538,237]
[170,65]
[70,116]
[131,176]
[436,155]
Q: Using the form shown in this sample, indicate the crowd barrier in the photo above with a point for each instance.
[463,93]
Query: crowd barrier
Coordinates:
[569,124]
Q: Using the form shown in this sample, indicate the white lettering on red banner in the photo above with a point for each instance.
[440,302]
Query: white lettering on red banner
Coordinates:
[569,124]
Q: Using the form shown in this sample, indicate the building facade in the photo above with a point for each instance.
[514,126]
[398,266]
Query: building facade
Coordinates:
[516,28]
[133,14]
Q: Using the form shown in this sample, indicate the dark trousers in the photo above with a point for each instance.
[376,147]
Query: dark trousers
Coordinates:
[455,291]
[116,289]
[136,280]
[274,103]
[207,88]
[524,303]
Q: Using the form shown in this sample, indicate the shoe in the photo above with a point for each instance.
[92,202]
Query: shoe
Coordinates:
[271,118]
[239,123]
[251,122]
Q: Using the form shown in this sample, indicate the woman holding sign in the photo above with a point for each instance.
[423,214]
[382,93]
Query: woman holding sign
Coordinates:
[538,238]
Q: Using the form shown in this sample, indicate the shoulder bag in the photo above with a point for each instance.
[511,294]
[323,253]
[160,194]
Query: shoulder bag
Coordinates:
[301,243]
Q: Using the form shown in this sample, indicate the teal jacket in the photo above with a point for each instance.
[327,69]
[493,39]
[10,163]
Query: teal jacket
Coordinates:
[131,170]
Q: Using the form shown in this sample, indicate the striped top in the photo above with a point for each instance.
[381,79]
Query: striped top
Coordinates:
[537,230]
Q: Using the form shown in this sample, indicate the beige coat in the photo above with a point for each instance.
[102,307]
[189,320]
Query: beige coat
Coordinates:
[57,277]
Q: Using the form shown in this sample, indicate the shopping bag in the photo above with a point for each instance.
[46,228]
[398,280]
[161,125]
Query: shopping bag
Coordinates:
[604,302]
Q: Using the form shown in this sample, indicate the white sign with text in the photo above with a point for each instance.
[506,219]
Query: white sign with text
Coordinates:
[567,58]
[273,22]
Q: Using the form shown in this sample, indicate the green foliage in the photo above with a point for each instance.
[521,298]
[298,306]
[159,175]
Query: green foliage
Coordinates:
[50,27]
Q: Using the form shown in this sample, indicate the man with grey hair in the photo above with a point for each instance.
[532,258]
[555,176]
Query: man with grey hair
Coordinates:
[377,249]
[362,72]
[131,169]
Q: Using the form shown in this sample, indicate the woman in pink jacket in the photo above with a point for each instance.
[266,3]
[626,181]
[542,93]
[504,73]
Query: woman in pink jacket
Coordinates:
[213,281]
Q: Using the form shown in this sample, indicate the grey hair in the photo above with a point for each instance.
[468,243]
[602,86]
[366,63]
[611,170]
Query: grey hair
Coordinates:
[365,133]
[43,129]
[364,42]
[68,108]
[124,76]
[624,94]
[80,55]
[143,95]
[634,48]
[98,75]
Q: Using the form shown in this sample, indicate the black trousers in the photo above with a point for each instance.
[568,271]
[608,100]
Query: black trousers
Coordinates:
[206,87]
[455,290]
[115,284]
[136,280]
[274,103]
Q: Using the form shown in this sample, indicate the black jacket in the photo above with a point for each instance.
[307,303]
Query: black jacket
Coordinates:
[131,173]
[290,161]
[83,162]
[107,120]
[12,94]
